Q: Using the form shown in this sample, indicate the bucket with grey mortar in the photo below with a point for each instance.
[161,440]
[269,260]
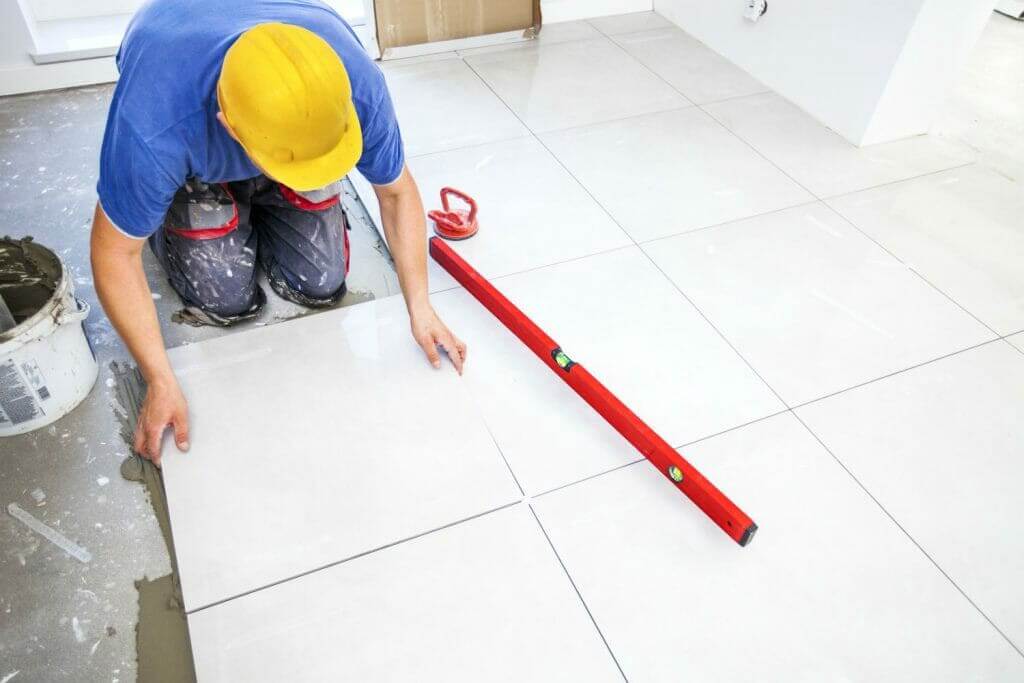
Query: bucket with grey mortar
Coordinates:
[46,363]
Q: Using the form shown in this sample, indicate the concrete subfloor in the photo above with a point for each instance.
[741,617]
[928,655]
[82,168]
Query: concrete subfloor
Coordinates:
[63,620]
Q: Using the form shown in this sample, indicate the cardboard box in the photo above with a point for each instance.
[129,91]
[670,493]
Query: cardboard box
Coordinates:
[414,22]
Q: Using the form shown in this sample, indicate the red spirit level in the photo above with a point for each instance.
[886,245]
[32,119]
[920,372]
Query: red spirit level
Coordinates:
[685,476]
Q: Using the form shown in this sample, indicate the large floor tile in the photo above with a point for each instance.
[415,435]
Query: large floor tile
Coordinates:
[666,173]
[1017,340]
[961,229]
[315,440]
[829,590]
[692,68]
[618,316]
[559,86]
[443,105]
[941,449]
[532,212]
[820,159]
[812,303]
[485,600]
[629,23]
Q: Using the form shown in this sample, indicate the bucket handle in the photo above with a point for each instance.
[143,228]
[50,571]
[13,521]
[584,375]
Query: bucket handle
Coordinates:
[80,313]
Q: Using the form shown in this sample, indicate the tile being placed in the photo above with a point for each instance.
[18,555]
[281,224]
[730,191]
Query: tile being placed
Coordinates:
[820,159]
[619,317]
[442,104]
[316,440]
[830,589]
[559,86]
[962,229]
[670,172]
[485,600]
[959,420]
[813,304]
[629,23]
[694,69]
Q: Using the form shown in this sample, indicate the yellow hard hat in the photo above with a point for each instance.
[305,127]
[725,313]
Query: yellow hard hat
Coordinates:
[287,97]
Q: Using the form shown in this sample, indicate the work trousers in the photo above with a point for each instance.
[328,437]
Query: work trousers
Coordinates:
[215,235]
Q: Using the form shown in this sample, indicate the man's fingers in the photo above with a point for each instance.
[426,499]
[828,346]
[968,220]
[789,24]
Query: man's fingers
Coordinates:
[180,424]
[451,347]
[430,348]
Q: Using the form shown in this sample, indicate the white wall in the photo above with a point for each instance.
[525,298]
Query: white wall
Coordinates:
[927,68]
[554,11]
[835,58]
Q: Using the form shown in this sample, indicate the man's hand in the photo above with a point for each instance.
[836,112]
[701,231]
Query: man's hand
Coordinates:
[163,406]
[430,332]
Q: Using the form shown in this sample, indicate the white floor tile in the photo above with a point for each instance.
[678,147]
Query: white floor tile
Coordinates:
[442,104]
[629,23]
[694,69]
[941,449]
[962,229]
[531,211]
[561,32]
[1017,340]
[559,86]
[829,590]
[485,600]
[821,160]
[812,303]
[317,439]
[619,317]
[666,173]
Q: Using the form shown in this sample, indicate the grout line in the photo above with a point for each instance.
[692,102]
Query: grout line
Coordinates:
[908,535]
[483,419]
[351,557]
[897,372]
[826,198]
[592,476]
[578,594]
[643,243]
[523,136]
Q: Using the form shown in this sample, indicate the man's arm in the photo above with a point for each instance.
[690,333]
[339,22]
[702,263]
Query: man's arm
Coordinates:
[126,298]
[401,211]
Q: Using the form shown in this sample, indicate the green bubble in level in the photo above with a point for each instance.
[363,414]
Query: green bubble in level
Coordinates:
[675,473]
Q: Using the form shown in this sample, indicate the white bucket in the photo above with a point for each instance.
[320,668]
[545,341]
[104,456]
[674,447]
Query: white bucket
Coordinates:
[46,363]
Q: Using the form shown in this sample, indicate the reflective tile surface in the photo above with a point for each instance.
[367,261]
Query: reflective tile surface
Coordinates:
[558,86]
[671,172]
[813,304]
[963,230]
[819,159]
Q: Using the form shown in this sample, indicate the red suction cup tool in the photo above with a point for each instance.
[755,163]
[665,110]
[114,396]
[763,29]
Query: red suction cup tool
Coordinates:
[454,225]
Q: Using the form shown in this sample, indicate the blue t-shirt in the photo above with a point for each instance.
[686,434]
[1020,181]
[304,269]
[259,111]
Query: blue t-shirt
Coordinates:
[162,126]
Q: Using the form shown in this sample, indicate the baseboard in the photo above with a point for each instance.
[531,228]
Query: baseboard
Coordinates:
[38,77]
[555,11]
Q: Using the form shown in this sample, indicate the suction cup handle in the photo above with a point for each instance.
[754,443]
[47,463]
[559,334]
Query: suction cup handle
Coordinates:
[445,191]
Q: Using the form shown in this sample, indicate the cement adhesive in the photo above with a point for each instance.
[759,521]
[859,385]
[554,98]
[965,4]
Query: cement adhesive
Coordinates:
[163,650]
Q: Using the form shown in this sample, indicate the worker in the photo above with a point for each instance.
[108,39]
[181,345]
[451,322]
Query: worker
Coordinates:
[230,129]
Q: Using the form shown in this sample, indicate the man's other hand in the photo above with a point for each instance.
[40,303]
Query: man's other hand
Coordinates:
[429,332]
[163,406]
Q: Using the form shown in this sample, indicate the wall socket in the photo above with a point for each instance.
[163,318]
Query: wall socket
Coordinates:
[755,10]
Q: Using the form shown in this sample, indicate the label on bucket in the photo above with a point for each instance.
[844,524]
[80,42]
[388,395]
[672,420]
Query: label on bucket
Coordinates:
[17,400]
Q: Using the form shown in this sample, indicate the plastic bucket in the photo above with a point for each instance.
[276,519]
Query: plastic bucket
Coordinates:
[46,363]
